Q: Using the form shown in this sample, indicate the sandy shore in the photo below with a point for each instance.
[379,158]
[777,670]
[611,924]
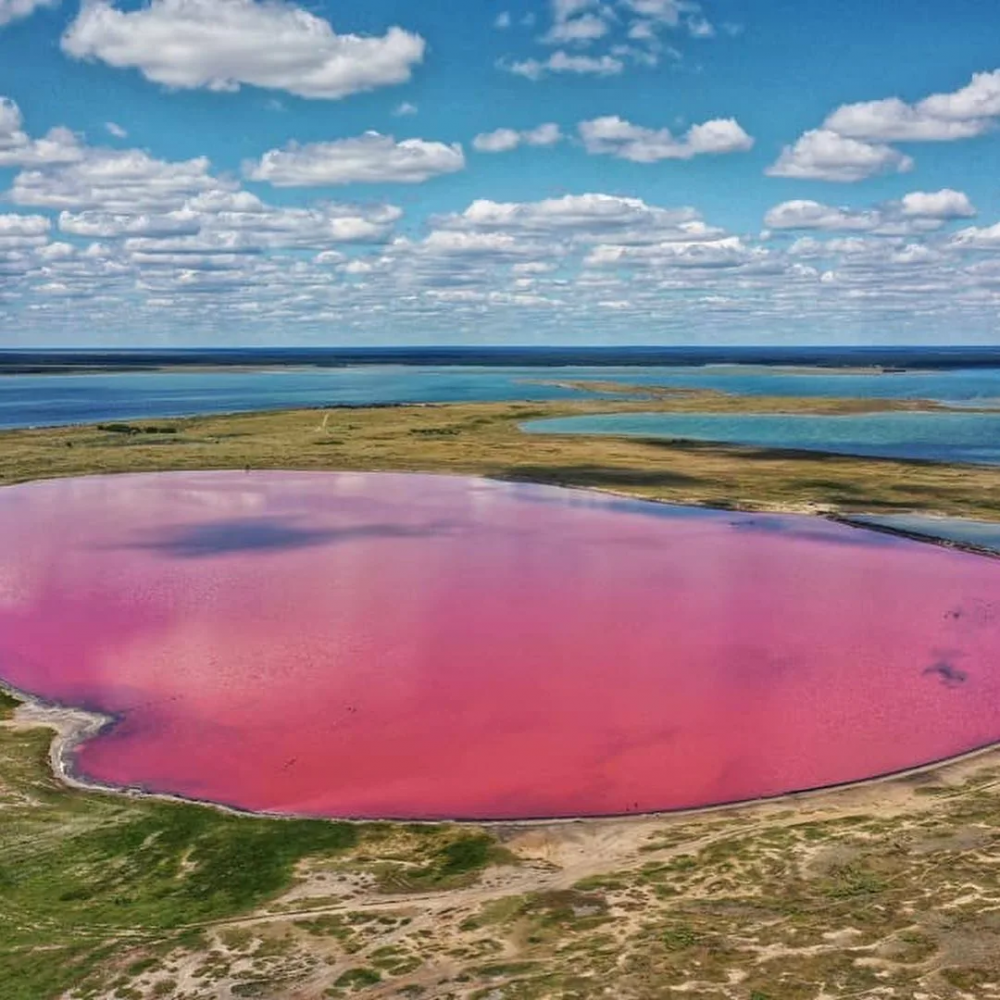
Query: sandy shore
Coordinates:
[75,726]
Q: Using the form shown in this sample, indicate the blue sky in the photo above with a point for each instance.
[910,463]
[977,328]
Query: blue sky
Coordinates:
[564,171]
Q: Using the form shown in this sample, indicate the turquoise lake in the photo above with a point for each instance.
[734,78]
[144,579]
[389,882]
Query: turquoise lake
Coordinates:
[941,437]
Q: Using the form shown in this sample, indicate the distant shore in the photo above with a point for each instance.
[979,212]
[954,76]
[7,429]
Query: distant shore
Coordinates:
[886,359]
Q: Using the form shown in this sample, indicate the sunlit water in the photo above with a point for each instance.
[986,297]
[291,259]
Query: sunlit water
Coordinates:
[419,646]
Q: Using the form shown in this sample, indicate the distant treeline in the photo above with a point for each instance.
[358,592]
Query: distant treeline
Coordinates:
[22,362]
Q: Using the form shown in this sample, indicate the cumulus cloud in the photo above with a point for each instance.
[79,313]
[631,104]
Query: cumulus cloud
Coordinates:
[18,231]
[805,214]
[503,140]
[223,44]
[563,62]
[825,155]
[893,120]
[726,252]
[445,241]
[916,212]
[14,10]
[239,219]
[97,224]
[368,159]
[576,30]
[127,181]
[17,149]
[404,109]
[604,37]
[584,218]
[976,238]
[943,204]
[961,114]
[116,130]
[614,136]
[852,143]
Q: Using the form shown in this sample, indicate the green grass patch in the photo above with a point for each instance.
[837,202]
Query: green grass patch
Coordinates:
[358,978]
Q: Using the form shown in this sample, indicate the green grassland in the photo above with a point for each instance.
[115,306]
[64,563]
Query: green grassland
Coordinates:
[888,892]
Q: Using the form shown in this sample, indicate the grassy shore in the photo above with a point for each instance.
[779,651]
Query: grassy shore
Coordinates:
[484,439]
[887,890]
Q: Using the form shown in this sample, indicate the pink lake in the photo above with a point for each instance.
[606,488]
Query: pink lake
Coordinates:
[366,645]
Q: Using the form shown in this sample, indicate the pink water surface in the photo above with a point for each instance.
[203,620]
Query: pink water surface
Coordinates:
[419,646]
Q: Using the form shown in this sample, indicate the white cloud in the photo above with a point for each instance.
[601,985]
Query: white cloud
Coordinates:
[672,14]
[917,212]
[576,30]
[813,215]
[584,218]
[829,156]
[10,117]
[221,261]
[563,62]
[700,27]
[534,267]
[124,181]
[962,114]
[943,204]
[404,109]
[445,241]
[238,219]
[727,252]
[96,224]
[614,136]
[223,44]
[116,130]
[667,11]
[893,120]
[979,99]
[368,159]
[17,149]
[19,231]
[616,33]
[503,20]
[503,140]
[851,145]
[975,238]
[14,10]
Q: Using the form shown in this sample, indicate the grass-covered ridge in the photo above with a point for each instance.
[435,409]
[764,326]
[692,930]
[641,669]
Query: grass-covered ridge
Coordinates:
[484,439]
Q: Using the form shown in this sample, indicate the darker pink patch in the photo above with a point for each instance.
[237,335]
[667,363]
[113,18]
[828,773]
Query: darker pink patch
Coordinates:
[419,646]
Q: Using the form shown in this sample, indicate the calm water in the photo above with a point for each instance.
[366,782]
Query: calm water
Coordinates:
[942,437]
[40,400]
[985,534]
[388,645]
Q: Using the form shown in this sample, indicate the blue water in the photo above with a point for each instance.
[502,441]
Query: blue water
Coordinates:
[984,534]
[41,400]
[943,437]
[47,400]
